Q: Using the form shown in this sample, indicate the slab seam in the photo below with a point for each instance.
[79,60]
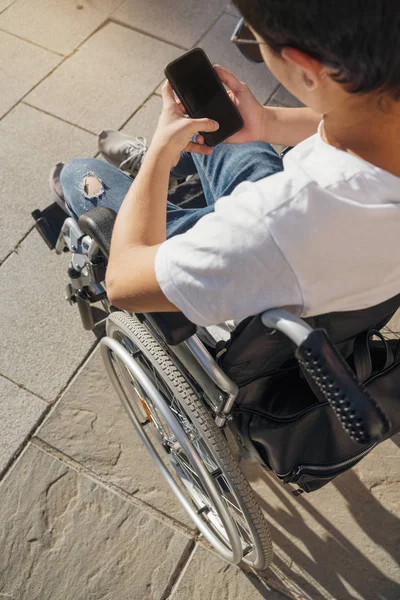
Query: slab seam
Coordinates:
[112,19]
[35,86]
[46,413]
[180,568]
[24,443]
[19,37]
[74,374]
[271,94]
[46,112]
[17,245]
[261,576]
[7,7]
[290,593]
[65,57]
[22,387]
[112,487]
[169,594]
[203,35]
[141,106]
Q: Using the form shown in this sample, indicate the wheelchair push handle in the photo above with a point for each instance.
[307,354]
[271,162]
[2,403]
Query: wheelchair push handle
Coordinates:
[353,405]
[355,408]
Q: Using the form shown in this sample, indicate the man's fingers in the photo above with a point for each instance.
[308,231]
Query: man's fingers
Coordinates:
[198,149]
[207,125]
[228,78]
[181,108]
[167,93]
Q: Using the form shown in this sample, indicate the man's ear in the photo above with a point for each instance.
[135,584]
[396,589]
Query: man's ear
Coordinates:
[312,71]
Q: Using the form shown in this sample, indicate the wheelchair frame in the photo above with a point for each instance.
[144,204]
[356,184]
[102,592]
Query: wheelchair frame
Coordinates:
[323,365]
[354,407]
[221,391]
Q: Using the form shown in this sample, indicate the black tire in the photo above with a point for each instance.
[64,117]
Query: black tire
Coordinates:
[120,323]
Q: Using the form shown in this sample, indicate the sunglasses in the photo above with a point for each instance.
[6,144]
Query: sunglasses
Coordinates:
[250,47]
[247,43]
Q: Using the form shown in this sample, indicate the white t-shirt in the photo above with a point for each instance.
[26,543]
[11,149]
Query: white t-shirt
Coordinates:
[321,236]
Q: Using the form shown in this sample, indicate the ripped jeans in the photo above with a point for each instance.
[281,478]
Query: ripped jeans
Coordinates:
[219,174]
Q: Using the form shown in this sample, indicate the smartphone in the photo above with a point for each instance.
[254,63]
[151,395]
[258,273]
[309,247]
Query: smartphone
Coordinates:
[202,93]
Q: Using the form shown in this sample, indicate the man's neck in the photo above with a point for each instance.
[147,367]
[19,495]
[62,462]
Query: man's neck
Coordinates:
[365,127]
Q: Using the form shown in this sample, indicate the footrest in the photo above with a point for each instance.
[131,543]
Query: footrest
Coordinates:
[49,222]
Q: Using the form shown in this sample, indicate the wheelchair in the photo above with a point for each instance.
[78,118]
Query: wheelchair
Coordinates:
[171,378]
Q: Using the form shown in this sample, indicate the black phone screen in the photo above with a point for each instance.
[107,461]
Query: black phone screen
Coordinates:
[203,95]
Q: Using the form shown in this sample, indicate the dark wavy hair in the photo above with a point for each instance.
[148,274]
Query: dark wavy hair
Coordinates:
[359,39]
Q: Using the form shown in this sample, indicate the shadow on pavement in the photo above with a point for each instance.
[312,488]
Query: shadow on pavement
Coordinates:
[320,561]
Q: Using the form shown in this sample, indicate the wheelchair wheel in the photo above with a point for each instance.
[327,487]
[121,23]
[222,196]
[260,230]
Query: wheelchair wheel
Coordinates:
[213,489]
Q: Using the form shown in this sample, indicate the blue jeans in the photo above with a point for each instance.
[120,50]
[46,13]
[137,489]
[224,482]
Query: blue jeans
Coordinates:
[219,174]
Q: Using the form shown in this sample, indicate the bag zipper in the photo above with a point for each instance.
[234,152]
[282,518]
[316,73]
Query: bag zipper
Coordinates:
[281,419]
[329,468]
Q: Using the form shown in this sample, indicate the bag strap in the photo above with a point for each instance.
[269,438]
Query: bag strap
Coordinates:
[362,354]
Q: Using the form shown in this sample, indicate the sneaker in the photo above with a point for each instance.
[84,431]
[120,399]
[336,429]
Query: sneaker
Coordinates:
[123,151]
[55,185]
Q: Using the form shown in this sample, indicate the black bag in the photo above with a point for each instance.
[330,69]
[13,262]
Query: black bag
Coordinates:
[289,427]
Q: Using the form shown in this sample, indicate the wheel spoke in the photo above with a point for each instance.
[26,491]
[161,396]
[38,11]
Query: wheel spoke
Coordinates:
[238,517]
[186,469]
[232,505]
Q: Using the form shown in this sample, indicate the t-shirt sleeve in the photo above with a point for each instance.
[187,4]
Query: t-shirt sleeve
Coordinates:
[228,266]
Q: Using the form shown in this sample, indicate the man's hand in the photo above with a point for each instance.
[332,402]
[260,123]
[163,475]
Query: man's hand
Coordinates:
[252,112]
[274,125]
[175,131]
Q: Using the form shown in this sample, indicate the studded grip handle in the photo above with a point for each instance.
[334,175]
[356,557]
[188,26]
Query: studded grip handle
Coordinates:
[355,408]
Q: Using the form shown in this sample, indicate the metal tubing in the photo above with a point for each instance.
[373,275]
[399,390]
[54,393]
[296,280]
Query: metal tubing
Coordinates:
[214,371]
[93,251]
[293,327]
[234,555]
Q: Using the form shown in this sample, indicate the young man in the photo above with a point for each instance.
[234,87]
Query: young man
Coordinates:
[317,233]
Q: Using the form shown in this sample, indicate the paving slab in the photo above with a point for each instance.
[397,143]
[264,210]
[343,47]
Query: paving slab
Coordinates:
[64,537]
[32,142]
[58,26]
[181,22]
[106,80]
[232,10]
[43,341]
[144,122]
[5,4]
[208,577]
[343,541]
[392,329]
[220,50]
[282,97]
[90,425]
[23,65]
[19,413]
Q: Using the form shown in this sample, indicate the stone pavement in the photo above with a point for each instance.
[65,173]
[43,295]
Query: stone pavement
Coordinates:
[85,515]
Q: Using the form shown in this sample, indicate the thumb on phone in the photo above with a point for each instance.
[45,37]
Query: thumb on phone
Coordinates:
[207,125]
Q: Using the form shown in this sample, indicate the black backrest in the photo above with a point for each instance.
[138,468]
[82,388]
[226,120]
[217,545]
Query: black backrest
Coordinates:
[254,351]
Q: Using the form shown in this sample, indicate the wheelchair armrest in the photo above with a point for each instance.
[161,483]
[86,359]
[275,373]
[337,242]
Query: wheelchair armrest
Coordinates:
[98,223]
[173,327]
